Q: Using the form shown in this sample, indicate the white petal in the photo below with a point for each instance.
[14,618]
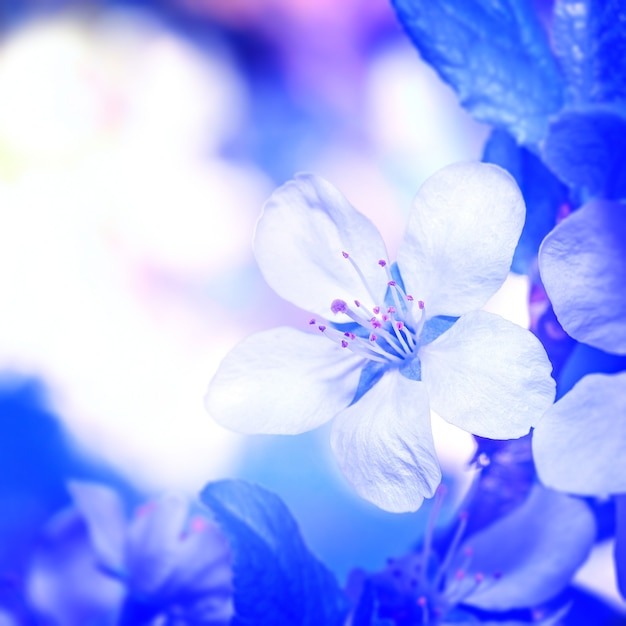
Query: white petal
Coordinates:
[583,268]
[282,381]
[580,444]
[384,445]
[305,226]
[488,376]
[463,228]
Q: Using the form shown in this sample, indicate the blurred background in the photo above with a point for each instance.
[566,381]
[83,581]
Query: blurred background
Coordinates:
[138,142]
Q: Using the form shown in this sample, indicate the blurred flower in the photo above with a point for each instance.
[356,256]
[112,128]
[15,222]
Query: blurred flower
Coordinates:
[519,562]
[126,223]
[94,566]
[308,38]
[380,374]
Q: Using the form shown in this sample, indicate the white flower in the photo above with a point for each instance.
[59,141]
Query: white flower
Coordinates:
[404,350]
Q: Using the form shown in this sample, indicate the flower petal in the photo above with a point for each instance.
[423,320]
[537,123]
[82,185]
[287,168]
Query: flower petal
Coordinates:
[583,267]
[488,376]
[202,563]
[103,513]
[305,226]
[384,445]
[282,381]
[534,552]
[153,541]
[580,442]
[463,228]
[65,583]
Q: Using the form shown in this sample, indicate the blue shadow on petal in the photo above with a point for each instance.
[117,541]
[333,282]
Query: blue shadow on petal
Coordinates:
[585,360]
[370,375]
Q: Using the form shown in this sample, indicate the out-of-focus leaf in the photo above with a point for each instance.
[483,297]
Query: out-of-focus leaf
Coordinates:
[586,150]
[620,543]
[505,480]
[543,193]
[496,57]
[590,42]
[277,580]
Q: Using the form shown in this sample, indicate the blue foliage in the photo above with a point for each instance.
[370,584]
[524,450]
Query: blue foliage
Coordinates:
[543,194]
[586,150]
[496,57]
[277,580]
[590,43]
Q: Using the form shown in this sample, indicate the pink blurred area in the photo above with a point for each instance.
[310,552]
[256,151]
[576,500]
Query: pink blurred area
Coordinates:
[324,46]
[126,221]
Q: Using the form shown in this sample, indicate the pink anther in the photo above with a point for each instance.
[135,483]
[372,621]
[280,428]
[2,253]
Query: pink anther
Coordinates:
[338,306]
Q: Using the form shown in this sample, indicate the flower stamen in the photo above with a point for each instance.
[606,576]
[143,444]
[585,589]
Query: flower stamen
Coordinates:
[392,331]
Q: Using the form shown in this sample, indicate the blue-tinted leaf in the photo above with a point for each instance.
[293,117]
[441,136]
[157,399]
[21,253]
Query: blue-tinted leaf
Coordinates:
[590,42]
[277,580]
[494,54]
[586,150]
[542,191]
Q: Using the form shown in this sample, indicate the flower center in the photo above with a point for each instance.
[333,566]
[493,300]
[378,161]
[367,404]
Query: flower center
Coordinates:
[389,333]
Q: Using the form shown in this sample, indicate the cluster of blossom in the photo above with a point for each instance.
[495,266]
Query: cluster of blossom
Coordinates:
[410,336]
[387,342]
